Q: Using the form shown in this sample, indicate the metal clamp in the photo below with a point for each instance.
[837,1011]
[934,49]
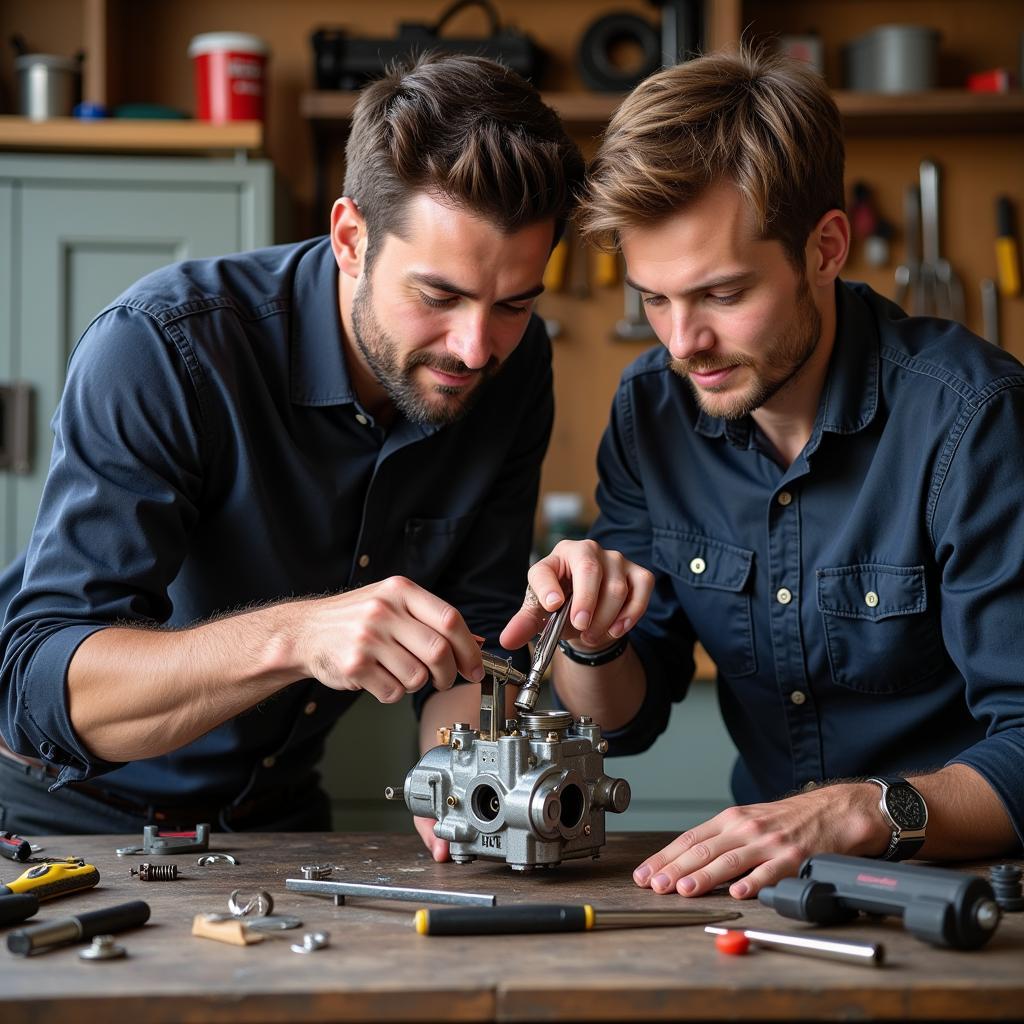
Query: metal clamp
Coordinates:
[161,844]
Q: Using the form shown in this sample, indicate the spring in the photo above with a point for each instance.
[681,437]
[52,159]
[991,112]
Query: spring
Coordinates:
[156,872]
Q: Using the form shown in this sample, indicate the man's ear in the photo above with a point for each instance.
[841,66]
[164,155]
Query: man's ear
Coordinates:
[828,246]
[348,236]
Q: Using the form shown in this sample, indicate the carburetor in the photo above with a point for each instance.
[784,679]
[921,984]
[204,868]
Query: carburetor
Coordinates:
[532,792]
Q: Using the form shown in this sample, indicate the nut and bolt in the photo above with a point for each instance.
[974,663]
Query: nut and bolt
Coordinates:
[103,947]
[155,872]
[1006,885]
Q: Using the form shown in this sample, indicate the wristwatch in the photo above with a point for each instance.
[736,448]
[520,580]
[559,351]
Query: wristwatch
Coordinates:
[906,813]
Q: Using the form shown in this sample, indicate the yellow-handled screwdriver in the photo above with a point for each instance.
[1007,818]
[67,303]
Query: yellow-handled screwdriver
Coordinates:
[56,878]
[1007,253]
[527,918]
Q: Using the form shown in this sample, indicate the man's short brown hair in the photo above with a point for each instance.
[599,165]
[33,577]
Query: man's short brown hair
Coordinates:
[764,122]
[467,130]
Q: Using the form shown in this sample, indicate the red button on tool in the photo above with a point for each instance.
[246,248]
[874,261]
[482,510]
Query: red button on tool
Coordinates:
[734,943]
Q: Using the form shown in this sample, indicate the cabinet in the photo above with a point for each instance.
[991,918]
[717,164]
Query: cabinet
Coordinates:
[76,231]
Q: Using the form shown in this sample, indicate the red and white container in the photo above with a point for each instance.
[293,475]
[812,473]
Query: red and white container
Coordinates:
[230,76]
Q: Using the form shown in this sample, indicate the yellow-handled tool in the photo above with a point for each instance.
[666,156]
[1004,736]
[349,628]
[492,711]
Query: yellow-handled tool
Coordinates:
[55,878]
[1007,253]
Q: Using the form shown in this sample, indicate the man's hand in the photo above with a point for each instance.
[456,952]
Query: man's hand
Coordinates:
[438,847]
[759,844]
[609,594]
[389,638]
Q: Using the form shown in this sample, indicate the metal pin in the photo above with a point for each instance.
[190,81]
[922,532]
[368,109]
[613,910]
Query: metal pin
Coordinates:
[339,890]
[868,954]
[311,942]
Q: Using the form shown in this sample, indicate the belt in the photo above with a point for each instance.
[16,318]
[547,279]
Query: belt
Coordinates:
[177,813]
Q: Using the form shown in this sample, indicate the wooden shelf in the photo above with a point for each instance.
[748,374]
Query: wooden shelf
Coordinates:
[128,135]
[941,110]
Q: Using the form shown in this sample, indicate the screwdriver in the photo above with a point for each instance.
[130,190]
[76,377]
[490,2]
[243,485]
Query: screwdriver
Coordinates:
[56,878]
[14,847]
[527,918]
[1007,256]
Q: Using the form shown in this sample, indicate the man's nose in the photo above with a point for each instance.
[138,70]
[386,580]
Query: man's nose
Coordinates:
[469,340]
[689,335]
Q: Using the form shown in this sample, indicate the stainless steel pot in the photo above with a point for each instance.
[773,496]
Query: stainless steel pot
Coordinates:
[48,85]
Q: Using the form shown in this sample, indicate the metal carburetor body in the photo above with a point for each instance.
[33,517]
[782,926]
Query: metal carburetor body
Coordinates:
[532,792]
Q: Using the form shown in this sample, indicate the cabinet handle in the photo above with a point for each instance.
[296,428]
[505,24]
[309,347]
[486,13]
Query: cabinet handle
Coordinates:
[16,402]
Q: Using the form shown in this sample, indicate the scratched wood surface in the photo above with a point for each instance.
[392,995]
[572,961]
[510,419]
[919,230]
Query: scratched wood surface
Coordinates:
[378,968]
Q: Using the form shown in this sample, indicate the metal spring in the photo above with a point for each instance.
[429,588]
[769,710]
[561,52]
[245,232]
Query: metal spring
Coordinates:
[156,872]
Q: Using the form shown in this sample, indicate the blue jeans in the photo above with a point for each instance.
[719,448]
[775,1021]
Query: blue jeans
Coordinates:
[27,808]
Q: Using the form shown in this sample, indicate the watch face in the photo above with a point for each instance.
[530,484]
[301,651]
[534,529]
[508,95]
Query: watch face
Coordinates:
[906,807]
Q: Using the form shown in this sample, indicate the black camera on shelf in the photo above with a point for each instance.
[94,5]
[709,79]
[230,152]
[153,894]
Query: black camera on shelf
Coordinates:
[343,62]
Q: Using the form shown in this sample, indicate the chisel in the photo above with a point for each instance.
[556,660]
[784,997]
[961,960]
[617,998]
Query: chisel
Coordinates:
[553,917]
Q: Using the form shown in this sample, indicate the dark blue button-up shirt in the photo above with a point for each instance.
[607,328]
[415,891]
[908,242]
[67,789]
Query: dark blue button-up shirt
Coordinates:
[865,605]
[209,454]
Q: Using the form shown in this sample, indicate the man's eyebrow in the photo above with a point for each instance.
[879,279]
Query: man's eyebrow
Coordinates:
[442,285]
[716,282]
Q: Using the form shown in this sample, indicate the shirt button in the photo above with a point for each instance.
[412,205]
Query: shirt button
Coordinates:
[808,786]
[364,561]
[697,566]
[309,708]
[798,697]
[269,762]
[360,418]
[784,498]
[783,596]
[871,599]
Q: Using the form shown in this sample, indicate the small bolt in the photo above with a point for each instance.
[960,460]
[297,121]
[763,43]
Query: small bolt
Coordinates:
[452,801]
[456,744]
[103,948]
[587,830]
[601,746]
[585,720]
[461,727]
[552,737]
[316,871]
[531,761]
[155,872]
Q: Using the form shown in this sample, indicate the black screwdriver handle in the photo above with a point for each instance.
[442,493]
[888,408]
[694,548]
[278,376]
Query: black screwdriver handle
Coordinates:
[516,920]
[17,907]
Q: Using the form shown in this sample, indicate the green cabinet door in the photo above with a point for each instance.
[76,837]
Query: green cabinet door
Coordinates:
[82,230]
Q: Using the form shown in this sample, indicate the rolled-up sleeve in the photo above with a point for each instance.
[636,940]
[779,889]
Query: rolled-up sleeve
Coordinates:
[977,521]
[110,535]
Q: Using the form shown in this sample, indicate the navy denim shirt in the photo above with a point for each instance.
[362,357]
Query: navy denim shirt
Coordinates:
[210,454]
[865,606]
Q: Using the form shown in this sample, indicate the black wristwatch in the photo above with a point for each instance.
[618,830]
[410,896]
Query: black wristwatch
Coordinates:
[906,813]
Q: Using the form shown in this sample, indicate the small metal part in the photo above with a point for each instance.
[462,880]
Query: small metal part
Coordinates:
[1006,885]
[104,947]
[155,872]
[162,844]
[340,890]
[394,792]
[259,904]
[316,870]
[547,644]
[311,942]
[216,858]
[274,922]
[502,669]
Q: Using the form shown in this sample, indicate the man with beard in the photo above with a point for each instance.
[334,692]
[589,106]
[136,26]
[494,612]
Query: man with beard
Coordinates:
[826,492]
[283,477]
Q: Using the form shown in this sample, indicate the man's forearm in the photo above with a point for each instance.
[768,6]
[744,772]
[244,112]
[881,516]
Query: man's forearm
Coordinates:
[138,693]
[611,694]
[965,817]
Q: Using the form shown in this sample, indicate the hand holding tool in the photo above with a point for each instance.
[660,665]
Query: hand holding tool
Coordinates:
[74,929]
[528,918]
[868,954]
[56,878]
[946,908]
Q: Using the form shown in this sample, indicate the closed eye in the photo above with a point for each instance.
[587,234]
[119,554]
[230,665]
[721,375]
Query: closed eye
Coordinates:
[435,303]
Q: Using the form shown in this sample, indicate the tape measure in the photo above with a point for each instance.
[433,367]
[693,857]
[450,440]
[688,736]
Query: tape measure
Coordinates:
[56,878]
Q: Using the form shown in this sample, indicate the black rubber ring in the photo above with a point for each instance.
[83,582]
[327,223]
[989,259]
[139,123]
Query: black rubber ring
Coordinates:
[592,57]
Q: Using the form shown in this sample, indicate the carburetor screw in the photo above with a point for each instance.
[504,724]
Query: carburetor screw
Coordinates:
[452,801]
[456,744]
[552,737]
[585,720]
[587,830]
[601,746]
[316,871]
[460,727]
[531,761]
[155,872]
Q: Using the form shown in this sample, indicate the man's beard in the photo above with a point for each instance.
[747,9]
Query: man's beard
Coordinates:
[413,401]
[783,359]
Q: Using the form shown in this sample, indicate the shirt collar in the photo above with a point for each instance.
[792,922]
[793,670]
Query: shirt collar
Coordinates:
[849,398]
[319,375]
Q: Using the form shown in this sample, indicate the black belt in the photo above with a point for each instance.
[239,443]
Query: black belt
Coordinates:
[182,814]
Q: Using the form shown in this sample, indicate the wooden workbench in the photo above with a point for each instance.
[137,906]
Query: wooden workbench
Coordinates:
[377,968]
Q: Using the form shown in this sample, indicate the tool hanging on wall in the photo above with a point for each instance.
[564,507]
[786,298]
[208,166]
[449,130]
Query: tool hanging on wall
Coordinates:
[1007,252]
[942,290]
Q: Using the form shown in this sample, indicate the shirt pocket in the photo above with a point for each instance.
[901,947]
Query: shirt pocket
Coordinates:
[430,544]
[878,633]
[711,579]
